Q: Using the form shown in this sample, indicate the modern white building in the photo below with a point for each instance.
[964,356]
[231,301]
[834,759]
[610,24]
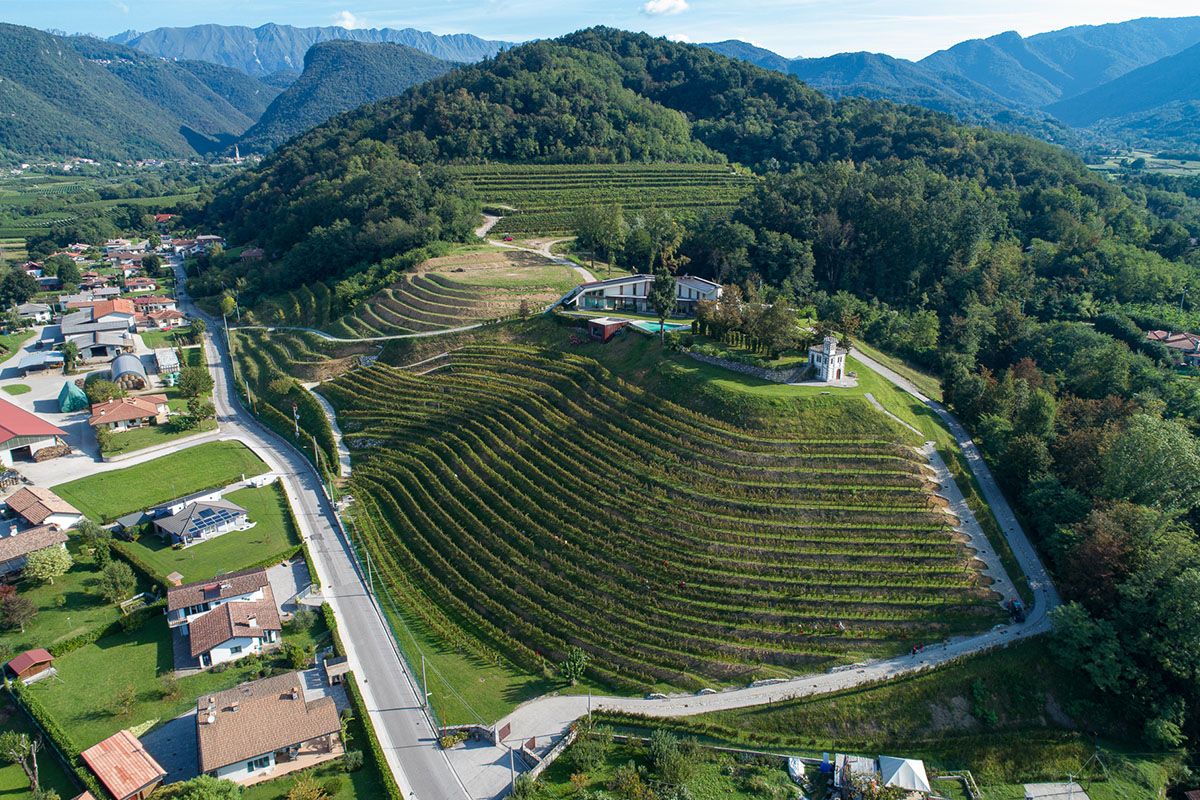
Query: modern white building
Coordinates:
[828,360]
[632,294]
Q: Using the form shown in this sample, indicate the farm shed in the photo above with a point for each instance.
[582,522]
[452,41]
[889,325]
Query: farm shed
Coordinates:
[23,435]
[127,771]
[40,362]
[166,359]
[30,663]
[604,328]
[128,372]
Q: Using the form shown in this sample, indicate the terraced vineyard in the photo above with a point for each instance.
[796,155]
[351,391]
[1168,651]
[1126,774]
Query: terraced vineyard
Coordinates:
[270,365]
[523,501]
[457,290]
[545,198]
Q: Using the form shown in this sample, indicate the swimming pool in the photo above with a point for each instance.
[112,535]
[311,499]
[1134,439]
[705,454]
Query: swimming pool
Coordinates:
[652,327]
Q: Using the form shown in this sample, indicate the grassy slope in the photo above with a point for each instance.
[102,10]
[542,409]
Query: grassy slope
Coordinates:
[110,494]
[1007,716]
[273,532]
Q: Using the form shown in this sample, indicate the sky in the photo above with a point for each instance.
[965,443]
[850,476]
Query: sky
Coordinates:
[903,28]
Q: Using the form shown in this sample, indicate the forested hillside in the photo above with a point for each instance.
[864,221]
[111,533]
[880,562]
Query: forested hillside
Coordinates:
[79,96]
[999,262]
[339,76]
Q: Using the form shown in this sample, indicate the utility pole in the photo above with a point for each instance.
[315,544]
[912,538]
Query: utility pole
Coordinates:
[424,684]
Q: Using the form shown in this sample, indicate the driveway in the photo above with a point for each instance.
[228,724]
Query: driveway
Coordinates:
[173,745]
[288,580]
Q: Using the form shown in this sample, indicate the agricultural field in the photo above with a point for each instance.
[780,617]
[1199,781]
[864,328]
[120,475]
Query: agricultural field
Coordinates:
[524,501]
[12,248]
[543,199]
[461,289]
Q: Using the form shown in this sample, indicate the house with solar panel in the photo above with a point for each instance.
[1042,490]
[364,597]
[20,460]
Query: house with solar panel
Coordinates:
[202,520]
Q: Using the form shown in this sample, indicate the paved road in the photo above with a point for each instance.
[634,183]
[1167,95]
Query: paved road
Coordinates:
[420,767]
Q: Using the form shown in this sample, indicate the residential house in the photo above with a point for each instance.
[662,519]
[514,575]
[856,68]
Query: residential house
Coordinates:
[24,435]
[37,313]
[126,258]
[828,360]
[162,219]
[259,727]
[1187,344]
[131,271]
[252,254]
[17,544]
[125,245]
[127,413]
[632,294]
[140,284]
[208,241]
[602,329]
[180,503]
[33,269]
[190,601]
[183,247]
[29,665]
[151,303]
[128,372]
[225,618]
[49,283]
[38,505]
[162,320]
[202,520]
[122,764]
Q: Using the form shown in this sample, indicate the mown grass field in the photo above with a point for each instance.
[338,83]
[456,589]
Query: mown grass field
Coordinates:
[461,289]
[108,495]
[544,199]
[13,783]
[522,501]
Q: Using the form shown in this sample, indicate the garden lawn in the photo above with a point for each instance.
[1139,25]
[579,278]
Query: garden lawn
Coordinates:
[11,342]
[82,608]
[17,388]
[930,385]
[206,466]
[170,338]
[13,784]
[89,678]
[274,533]
[154,435]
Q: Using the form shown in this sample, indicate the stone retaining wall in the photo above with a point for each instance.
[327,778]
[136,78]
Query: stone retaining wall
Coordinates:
[773,375]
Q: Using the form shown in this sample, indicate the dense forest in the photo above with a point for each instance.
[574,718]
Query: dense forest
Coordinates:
[1024,280]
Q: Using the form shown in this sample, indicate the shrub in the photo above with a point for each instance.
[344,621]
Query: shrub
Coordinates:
[333,784]
[352,760]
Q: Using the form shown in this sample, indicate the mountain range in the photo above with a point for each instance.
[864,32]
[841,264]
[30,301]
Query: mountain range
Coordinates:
[1090,77]
[278,50]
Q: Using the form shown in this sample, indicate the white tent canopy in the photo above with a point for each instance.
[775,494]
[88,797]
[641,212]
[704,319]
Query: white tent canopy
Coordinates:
[904,773]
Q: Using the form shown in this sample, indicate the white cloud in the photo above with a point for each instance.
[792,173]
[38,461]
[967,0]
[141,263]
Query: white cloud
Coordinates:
[345,19]
[119,6]
[679,37]
[661,7]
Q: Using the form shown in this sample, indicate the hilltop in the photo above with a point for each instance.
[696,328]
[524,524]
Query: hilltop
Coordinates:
[339,76]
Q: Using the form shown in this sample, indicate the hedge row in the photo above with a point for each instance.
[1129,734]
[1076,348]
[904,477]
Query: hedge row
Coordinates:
[360,708]
[62,742]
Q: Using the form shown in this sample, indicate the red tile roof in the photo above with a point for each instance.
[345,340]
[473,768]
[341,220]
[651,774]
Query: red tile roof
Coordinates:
[37,503]
[127,408]
[29,541]
[16,421]
[152,300]
[102,308]
[232,621]
[123,765]
[217,588]
[28,659]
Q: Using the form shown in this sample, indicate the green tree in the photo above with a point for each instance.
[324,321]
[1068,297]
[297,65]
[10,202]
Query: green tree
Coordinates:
[204,787]
[152,264]
[305,787]
[228,305]
[573,666]
[16,611]
[663,297]
[200,409]
[16,287]
[22,749]
[198,328]
[70,351]
[69,274]
[1154,462]
[195,381]
[117,582]
[47,564]
[101,390]
[124,701]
